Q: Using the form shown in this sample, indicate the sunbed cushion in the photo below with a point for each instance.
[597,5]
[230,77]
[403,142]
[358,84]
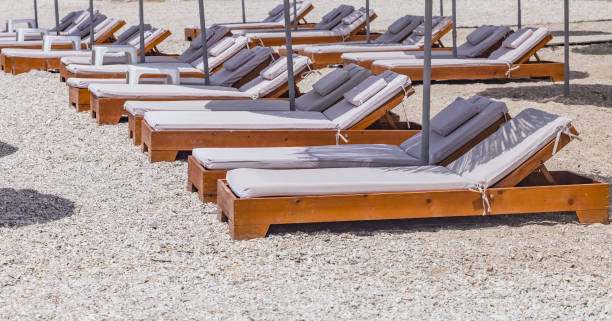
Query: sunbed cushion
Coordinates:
[313,101]
[247,182]
[395,33]
[229,76]
[164,91]
[399,24]
[513,55]
[505,150]
[139,108]
[221,46]
[420,30]
[237,60]
[334,17]
[261,87]
[480,34]
[350,155]
[331,81]
[453,116]
[131,32]
[517,38]
[276,10]
[331,15]
[274,69]
[365,90]
[204,120]
[442,147]
[469,50]
[352,17]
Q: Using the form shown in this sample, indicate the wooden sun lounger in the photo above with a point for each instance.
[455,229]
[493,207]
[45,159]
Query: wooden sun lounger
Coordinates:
[356,35]
[531,188]
[524,69]
[193,32]
[106,38]
[321,60]
[110,110]
[25,64]
[204,181]
[164,145]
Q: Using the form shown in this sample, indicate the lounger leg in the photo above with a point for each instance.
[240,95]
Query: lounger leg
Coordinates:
[593,216]
[246,232]
[162,155]
[221,216]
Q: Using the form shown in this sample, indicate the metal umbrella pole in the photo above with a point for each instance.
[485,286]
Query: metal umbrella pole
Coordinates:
[295,20]
[91,26]
[454,11]
[243,12]
[441,8]
[519,14]
[56,17]
[289,56]
[566,69]
[368,21]
[142,31]
[35,14]
[204,44]
[426,85]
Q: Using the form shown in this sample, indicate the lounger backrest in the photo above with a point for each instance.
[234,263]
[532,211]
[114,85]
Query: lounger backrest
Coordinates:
[481,40]
[514,143]
[261,86]
[228,76]
[130,33]
[213,35]
[400,29]
[510,53]
[71,25]
[83,27]
[345,115]
[417,38]
[66,21]
[351,22]
[314,101]
[334,17]
[104,26]
[277,13]
[441,147]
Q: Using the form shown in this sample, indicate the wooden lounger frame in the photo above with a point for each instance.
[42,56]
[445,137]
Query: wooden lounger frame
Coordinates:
[279,41]
[323,59]
[531,188]
[204,181]
[109,110]
[525,69]
[192,32]
[18,65]
[164,145]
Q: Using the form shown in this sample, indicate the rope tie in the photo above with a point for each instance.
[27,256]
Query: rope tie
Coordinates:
[261,42]
[247,45]
[486,205]
[310,72]
[511,69]
[404,105]
[563,130]
[505,117]
[340,136]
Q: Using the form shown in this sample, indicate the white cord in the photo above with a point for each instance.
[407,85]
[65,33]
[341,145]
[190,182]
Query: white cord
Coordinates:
[340,136]
[486,205]
[563,130]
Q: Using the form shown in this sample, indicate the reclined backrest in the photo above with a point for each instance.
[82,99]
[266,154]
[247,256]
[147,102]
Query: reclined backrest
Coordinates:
[83,27]
[515,142]
[334,17]
[274,76]
[471,117]
[276,14]
[351,22]
[481,40]
[365,98]
[519,44]
[213,35]
[67,20]
[130,33]
[330,89]
[104,26]
[400,29]
[240,65]
[74,24]
[417,37]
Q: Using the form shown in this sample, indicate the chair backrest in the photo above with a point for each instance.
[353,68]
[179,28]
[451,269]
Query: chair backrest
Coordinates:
[334,17]
[400,29]
[352,22]
[241,65]
[345,114]
[515,142]
[277,13]
[67,20]
[417,37]
[74,24]
[194,51]
[441,147]
[519,44]
[84,27]
[482,40]
[130,33]
[274,76]
[317,100]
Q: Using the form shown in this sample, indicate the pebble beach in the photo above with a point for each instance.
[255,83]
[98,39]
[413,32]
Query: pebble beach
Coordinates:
[90,230]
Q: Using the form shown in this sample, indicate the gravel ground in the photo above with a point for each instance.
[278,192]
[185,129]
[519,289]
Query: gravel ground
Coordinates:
[90,230]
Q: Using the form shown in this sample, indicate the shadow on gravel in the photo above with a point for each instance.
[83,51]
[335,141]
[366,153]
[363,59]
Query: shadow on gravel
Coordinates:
[26,207]
[367,228]
[594,49]
[596,95]
[558,33]
[573,75]
[6,149]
